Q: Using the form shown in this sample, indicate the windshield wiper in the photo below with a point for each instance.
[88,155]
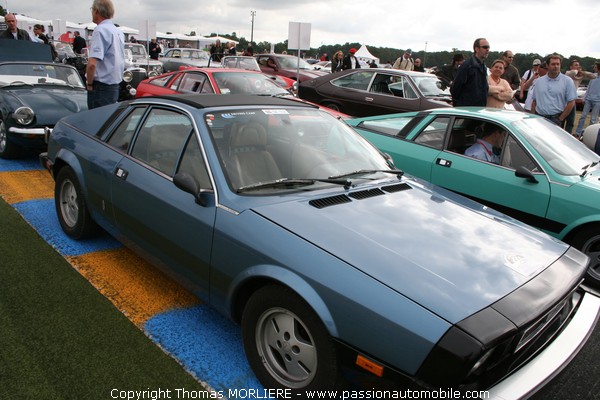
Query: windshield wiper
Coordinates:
[587,167]
[293,182]
[397,172]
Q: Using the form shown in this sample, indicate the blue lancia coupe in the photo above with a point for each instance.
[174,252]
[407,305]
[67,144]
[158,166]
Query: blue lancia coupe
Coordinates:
[333,262]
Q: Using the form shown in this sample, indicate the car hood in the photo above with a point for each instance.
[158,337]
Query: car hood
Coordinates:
[51,103]
[308,73]
[420,241]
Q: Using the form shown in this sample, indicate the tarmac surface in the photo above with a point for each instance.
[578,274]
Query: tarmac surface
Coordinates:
[199,338]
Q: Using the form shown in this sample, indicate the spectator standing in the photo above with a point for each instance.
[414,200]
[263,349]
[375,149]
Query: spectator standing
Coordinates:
[577,75]
[216,51]
[470,86]
[554,95]
[405,62]
[591,102]
[530,73]
[324,57]
[530,85]
[231,51]
[249,51]
[511,73]
[448,72]
[38,32]
[79,43]
[418,65]
[106,61]
[154,49]
[12,32]
[350,62]
[337,61]
[499,90]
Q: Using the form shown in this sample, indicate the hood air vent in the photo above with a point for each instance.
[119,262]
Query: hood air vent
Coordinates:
[330,201]
[396,188]
[365,194]
[359,195]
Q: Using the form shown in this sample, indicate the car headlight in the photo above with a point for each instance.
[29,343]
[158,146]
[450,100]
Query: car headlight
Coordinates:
[152,73]
[23,115]
[127,76]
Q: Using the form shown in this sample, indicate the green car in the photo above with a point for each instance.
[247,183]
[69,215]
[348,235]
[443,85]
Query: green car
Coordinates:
[540,174]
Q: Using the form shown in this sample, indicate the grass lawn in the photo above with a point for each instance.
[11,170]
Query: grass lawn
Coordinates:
[59,337]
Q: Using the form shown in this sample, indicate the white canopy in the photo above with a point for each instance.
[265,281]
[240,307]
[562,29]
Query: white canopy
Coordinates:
[364,54]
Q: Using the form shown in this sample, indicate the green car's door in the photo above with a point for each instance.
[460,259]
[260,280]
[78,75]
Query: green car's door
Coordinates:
[497,185]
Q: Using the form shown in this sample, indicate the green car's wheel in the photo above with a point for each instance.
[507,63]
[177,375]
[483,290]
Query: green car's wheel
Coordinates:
[588,241]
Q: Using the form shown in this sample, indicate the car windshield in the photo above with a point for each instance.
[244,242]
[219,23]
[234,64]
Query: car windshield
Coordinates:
[248,63]
[247,83]
[431,86]
[65,49]
[136,50]
[274,149]
[294,62]
[39,74]
[195,54]
[564,154]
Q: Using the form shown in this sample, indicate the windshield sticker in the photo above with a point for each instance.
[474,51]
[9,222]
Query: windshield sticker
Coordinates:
[237,114]
[276,112]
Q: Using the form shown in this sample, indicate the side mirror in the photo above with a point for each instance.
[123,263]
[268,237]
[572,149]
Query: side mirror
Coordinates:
[523,172]
[188,184]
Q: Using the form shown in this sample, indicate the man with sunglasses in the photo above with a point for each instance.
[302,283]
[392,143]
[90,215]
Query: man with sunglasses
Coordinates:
[470,87]
[511,73]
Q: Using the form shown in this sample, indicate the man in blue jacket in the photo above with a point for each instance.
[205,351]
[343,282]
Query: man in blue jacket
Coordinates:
[470,87]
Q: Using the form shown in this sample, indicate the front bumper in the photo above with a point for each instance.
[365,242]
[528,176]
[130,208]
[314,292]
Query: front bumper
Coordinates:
[547,364]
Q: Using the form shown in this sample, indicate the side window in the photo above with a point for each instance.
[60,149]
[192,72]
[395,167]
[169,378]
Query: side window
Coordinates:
[514,156]
[193,164]
[195,83]
[463,135]
[122,136]
[434,133]
[357,80]
[381,84]
[160,141]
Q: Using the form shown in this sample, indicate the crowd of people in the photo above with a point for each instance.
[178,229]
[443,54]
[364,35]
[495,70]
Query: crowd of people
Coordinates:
[543,89]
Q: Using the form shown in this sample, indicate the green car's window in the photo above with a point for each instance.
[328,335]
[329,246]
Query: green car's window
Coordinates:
[391,126]
[160,141]
[514,156]
[123,135]
[433,134]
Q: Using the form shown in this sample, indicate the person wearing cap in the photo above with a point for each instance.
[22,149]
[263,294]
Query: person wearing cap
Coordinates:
[405,62]
[530,85]
[350,61]
[529,74]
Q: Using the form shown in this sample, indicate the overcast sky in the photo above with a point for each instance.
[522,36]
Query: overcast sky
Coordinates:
[523,26]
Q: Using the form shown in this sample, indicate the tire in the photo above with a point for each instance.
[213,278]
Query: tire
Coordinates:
[8,149]
[71,209]
[588,241]
[286,343]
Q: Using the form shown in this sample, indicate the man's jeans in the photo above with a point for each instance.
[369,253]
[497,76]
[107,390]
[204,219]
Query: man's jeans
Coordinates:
[102,94]
[594,106]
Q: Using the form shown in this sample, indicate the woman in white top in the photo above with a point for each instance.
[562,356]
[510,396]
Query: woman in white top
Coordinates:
[499,91]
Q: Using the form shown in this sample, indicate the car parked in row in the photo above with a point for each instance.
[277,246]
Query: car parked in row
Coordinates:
[543,177]
[34,95]
[334,263]
[287,65]
[375,91]
[250,63]
[218,81]
[175,58]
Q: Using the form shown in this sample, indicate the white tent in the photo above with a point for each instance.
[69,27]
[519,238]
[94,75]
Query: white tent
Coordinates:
[363,54]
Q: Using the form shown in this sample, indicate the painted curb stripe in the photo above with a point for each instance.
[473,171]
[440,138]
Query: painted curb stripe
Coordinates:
[19,186]
[134,286]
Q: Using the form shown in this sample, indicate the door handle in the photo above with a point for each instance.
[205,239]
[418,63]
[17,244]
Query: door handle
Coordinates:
[444,163]
[368,99]
[121,173]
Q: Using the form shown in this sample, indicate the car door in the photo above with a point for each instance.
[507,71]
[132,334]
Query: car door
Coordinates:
[496,185]
[194,82]
[153,215]
[352,92]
